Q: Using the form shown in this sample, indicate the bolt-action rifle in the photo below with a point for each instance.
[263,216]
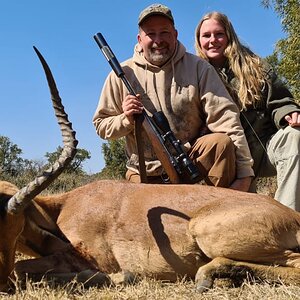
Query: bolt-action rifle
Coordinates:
[176,163]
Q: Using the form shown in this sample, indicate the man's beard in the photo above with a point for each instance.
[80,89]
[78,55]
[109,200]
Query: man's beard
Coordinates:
[158,59]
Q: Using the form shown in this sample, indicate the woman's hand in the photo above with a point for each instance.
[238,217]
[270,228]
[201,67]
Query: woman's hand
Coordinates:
[293,119]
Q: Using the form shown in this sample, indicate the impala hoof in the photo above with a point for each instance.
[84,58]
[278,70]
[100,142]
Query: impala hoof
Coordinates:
[203,285]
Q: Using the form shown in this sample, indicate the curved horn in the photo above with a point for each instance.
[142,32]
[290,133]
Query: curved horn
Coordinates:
[19,201]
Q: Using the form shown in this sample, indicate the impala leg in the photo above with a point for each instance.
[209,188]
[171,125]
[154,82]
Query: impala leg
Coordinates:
[272,273]
[89,278]
[238,271]
[217,268]
[61,268]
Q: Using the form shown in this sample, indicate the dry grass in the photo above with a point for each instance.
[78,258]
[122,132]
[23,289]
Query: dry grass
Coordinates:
[148,289]
[267,186]
[151,289]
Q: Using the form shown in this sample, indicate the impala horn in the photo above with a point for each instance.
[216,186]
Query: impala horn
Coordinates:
[22,198]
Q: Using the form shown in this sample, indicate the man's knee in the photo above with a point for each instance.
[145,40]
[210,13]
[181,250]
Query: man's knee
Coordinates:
[223,141]
[213,145]
[214,155]
[219,141]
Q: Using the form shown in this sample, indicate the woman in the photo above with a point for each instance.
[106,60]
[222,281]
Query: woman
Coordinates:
[269,114]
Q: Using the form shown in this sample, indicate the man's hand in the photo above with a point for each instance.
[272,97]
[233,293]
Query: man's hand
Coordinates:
[241,184]
[132,105]
[293,119]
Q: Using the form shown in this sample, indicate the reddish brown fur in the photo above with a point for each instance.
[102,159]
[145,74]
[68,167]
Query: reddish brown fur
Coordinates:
[146,229]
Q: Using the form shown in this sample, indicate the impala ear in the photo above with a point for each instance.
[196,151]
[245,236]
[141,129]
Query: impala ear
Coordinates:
[20,200]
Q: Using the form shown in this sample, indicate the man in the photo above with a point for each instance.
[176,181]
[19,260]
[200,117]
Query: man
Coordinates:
[191,95]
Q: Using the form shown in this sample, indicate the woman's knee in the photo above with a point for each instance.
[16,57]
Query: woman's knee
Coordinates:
[292,134]
[285,142]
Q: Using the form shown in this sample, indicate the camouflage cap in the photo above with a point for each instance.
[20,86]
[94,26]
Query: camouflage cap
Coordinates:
[155,9]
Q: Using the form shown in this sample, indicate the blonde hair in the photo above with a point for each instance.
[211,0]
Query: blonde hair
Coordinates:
[246,66]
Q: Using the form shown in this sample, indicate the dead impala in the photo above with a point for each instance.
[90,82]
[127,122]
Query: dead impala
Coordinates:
[161,231]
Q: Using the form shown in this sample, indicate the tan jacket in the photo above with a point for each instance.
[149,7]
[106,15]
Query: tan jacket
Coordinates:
[188,91]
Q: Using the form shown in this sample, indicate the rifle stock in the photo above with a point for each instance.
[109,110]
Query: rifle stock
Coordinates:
[168,161]
[162,153]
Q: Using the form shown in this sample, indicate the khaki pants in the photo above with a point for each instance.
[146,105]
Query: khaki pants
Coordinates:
[214,155]
[283,159]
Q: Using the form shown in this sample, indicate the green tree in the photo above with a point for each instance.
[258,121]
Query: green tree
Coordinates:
[115,159]
[11,162]
[287,51]
[76,166]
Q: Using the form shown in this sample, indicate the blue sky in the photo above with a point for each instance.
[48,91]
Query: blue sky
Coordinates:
[63,32]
